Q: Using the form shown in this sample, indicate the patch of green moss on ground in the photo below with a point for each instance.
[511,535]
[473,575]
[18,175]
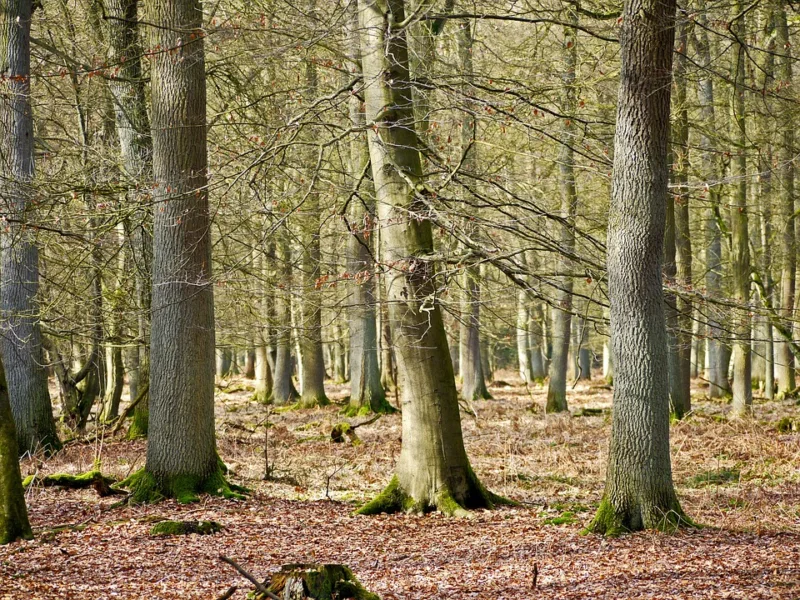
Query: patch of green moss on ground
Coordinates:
[715,477]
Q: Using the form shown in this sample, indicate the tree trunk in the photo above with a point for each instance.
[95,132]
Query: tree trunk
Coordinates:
[13,512]
[523,338]
[717,349]
[681,401]
[562,309]
[283,390]
[182,459]
[366,390]
[639,492]
[127,89]
[433,470]
[21,339]
[740,246]
[536,343]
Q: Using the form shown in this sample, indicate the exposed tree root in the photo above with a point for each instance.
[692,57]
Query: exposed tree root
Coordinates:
[185,528]
[94,479]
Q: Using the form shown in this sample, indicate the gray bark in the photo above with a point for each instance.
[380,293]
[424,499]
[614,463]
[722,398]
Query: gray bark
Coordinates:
[639,492]
[433,470]
[283,391]
[562,309]
[181,443]
[523,338]
[14,522]
[21,339]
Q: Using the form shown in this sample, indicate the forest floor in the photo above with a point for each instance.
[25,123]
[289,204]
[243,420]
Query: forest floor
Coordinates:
[739,479]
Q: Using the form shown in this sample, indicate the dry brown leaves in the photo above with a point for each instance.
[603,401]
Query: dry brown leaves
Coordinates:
[740,479]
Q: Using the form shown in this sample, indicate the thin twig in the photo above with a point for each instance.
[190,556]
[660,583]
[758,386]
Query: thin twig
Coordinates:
[259,586]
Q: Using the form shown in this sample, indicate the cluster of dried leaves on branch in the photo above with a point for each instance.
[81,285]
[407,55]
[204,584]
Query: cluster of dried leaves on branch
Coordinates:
[738,478]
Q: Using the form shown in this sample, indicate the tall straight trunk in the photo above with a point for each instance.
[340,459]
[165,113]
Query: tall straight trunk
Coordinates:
[717,350]
[523,338]
[127,88]
[263,338]
[283,390]
[366,390]
[312,389]
[784,359]
[182,458]
[639,493]
[433,471]
[676,398]
[473,383]
[388,370]
[740,247]
[21,339]
[14,522]
[682,403]
[562,309]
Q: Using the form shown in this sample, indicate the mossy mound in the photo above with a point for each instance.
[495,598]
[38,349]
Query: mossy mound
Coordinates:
[317,582]
[185,528]
[788,425]
[146,488]
[341,430]
[91,479]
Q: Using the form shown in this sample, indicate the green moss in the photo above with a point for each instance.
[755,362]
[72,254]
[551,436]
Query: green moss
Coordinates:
[139,424]
[566,518]
[391,499]
[185,528]
[787,425]
[606,521]
[612,523]
[313,401]
[321,582]
[28,480]
[147,489]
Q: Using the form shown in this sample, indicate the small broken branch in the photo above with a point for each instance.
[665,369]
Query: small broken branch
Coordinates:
[259,586]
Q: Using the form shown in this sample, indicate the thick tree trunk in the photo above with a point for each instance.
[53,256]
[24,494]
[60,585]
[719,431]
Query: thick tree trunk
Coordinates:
[562,310]
[740,246]
[21,339]
[433,470]
[182,459]
[536,343]
[639,492]
[13,512]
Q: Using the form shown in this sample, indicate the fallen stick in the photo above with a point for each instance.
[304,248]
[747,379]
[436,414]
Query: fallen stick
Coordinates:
[229,593]
[259,587]
[126,413]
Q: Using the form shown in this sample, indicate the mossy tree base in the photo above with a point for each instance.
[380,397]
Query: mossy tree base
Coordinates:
[318,582]
[139,425]
[313,401]
[395,499]
[378,406]
[611,522]
[146,488]
[185,528]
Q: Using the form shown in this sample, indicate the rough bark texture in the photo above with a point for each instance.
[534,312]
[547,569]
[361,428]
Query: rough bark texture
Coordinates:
[13,512]
[433,470]
[21,339]
[740,241]
[639,492]
[181,452]
[562,310]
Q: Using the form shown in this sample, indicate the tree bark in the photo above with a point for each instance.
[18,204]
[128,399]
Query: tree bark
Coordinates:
[639,492]
[366,390]
[182,459]
[14,523]
[283,390]
[562,309]
[523,338]
[433,470]
[21,339]
[740,246]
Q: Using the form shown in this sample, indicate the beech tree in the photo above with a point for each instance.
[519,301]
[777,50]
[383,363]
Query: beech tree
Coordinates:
[639,493]
[431,424]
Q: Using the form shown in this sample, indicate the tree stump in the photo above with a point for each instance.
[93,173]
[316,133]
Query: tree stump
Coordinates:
[318,582]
